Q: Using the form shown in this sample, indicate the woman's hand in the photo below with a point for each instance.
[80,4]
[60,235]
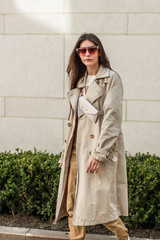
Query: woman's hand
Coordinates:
[93,165]
[60,165]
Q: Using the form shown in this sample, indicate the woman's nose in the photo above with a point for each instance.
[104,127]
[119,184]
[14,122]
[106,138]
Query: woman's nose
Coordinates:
[87,52]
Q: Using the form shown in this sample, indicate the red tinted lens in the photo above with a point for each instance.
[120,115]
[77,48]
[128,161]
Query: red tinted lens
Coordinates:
[82,51]
[91,50]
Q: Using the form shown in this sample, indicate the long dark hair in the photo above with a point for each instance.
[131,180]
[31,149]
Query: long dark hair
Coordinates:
[76,69]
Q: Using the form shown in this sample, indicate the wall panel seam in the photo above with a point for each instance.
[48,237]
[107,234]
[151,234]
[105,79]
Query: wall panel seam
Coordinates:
[30,117]
[126,112]
[25,97]
[64,87]
[77,34]
[127,23]
[4,24]
[141,121]
[64,6]
[4,106]
[142,100]
[66,13]
[79,13]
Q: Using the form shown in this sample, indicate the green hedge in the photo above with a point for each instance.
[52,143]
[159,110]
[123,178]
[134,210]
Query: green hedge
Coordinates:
[29,183]
[143,190]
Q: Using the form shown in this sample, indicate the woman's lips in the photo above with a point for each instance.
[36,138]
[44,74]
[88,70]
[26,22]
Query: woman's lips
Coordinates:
[88,60]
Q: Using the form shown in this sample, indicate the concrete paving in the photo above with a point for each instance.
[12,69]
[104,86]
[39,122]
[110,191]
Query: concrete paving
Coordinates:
[14,233]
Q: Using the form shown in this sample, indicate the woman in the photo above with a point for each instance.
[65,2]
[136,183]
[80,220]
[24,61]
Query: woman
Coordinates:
[93,180]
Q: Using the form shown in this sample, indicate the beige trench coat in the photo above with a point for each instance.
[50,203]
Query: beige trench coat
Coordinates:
[101,197]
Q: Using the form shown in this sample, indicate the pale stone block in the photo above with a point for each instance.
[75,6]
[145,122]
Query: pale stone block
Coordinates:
[31,66]
[70,42]
[136,59]
[25,133]
[66,23]
[23,6]
[1,106]
[37,107]
[141,137]
[1,23]
[124,110]
[144,23]
[112,6]
[36,23]
[143,110]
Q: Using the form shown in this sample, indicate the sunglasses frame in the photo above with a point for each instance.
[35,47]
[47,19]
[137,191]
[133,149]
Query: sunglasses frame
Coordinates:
[86,48]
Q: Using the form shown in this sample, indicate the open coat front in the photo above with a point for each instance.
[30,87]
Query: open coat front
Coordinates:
[101,197]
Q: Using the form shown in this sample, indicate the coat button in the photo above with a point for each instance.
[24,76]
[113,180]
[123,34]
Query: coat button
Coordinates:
[90,152]
[69,124]
[65,140]
[92,136]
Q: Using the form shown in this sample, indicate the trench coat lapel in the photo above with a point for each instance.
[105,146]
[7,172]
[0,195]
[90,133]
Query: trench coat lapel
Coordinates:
[93,92]
[73,97]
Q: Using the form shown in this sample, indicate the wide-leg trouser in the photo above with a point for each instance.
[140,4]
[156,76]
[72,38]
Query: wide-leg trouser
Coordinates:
[78,232]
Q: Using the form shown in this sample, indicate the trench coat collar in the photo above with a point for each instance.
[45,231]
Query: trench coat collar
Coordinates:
[93,92]
[102,73]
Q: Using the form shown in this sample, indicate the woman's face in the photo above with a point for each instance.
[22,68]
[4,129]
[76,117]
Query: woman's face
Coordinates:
[89,59]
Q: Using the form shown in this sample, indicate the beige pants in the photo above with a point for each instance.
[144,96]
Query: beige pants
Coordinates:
[78,232]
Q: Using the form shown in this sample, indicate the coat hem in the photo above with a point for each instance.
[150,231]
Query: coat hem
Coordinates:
[58,218]
[84,222]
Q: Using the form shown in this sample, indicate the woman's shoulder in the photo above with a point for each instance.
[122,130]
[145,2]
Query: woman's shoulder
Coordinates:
[105,72]
[116,81]
[107,75]
[114,74]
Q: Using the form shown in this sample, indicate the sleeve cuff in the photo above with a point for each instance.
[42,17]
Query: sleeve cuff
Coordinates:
[98,156]
[102,155]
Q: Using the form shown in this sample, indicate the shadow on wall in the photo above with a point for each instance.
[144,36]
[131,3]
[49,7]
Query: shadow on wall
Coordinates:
[33,48]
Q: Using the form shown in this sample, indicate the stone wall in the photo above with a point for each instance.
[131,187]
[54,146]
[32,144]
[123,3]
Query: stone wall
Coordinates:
[36,39]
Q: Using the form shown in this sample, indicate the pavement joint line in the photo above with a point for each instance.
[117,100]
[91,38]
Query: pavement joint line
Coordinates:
[29,229]
[16,233]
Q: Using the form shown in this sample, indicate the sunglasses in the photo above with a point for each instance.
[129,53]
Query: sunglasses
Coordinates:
[82,51]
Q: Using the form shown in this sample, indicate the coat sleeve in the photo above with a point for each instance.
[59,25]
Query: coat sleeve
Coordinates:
[111,123]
